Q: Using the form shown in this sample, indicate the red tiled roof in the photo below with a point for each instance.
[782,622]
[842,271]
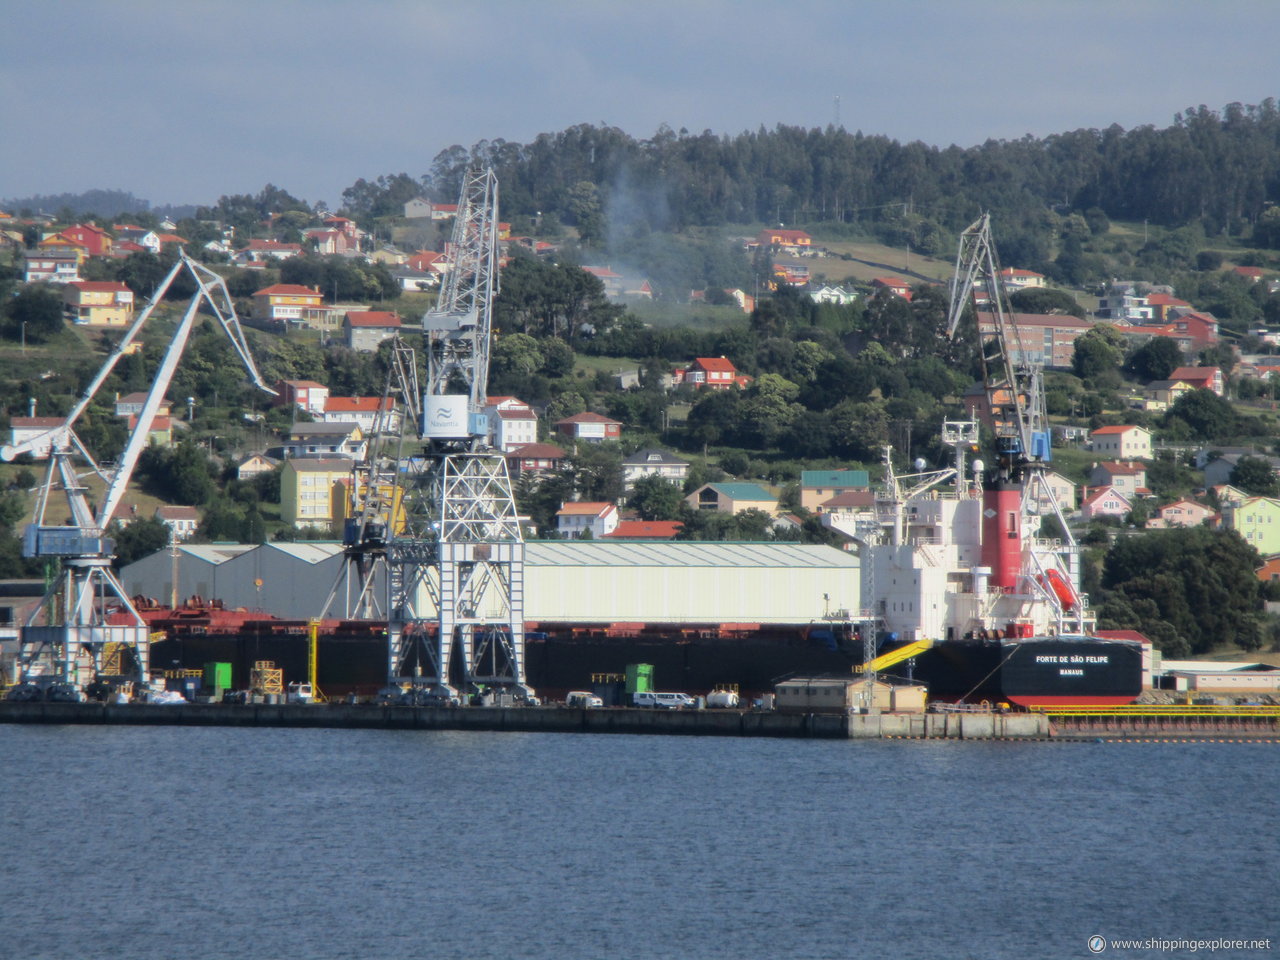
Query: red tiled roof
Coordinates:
[358,404]
[717,364]
[35,423]
[1122,469]
[287,290]
[588,417]
[585,508]
[99,286]
[373,318]
[1111,430]
[536,451]
[646,530]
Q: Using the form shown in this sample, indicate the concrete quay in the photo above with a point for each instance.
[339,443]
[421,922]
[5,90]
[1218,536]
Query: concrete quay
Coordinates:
[725,723]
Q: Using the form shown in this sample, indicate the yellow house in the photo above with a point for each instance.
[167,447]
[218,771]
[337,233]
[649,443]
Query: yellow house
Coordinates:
[310,490]
[1257,519]
[1163,394]
[102,303]
[290,304]
[733,498]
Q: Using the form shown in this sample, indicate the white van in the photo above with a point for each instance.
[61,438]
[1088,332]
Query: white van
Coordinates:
[581,698]
[664,701]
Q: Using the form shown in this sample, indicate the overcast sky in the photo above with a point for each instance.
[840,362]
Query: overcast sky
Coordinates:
[182,101]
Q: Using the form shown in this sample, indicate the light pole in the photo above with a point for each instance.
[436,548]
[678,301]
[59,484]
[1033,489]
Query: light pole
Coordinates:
[24,336]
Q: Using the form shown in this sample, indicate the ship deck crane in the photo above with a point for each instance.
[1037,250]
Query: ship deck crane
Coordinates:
[51,655]
[1014,490]
[375,495]
[457,568]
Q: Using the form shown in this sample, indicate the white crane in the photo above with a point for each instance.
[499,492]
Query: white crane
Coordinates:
[78,607]
[458,565]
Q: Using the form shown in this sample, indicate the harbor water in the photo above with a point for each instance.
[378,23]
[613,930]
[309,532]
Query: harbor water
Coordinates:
[165,842]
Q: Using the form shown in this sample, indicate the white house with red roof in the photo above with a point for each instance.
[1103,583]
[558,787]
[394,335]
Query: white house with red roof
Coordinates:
[1105,502]
[718,373]
[1180,513]
[304,394]
[1252,274]
[420,208]
[364,330]
[1128,478]
[374,414]
[1122,442]
[592,427]
[260,251]
[512,423]
[1015,279]
[576,518]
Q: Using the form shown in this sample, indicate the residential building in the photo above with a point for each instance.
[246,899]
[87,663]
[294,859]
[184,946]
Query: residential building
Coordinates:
[95,241]
[1105,502]
[1046,339]
[1163,304]
[1252,274]
[718,373]
[653,462]
[1257,520]
[290,304]
[415,281]
[785,241]
[732,498]
[364,330]
[417,209]
[373,414]
[256,465]
[829,294]
[312,491]
[646,530]
[512,423]
[1163,394]
[1180,513]
[1202,378]
[1122,442]
[181,521]
[304,394]
[102,303]
[160,433]
[592,427]
[818,486]
[41,430]
[1015,279]
[51,266]
[1125,302]
[535,459]
[895,285]
[262,251]
[1219,470]
[1063,490]
[131,403]
[326,440]
[1128,478]
[576,518]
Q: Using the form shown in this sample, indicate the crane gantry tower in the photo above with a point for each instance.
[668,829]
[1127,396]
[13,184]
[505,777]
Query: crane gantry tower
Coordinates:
[1021,563]
[86,610]
[456,568]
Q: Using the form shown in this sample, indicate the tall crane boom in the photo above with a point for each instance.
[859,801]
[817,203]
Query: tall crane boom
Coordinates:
[459,329]
[1013,384]
[77,621]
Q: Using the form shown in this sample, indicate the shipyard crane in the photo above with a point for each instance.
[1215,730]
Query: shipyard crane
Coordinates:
[375,493]
[1021,564]
[79,625]
[457,567]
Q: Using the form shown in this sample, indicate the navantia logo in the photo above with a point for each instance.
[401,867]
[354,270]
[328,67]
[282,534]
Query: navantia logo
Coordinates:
[444,415]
